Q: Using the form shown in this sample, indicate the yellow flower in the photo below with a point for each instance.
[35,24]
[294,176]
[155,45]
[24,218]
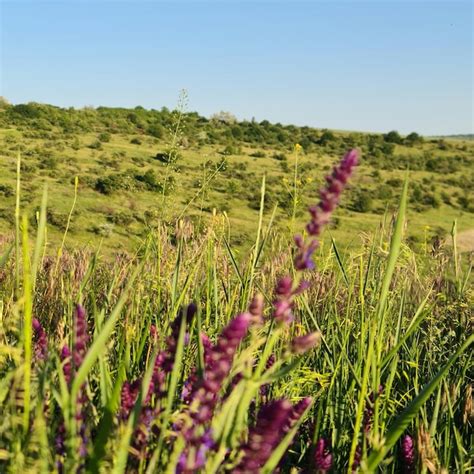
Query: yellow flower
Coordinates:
[298,147]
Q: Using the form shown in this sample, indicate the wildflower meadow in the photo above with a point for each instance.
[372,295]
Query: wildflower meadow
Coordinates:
[180,357]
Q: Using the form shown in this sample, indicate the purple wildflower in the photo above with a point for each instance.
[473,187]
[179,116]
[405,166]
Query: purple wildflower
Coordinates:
[302,344]
[71,363]
[157,389]
[217,368]
[65,357]
[407,454]
[256,308]
[321,213]
[297,411]
[192,461]
[128,397]
[41,341]
[81,337]
[264,436]
[285,292]
[357,458]
[323,456]
[202,394]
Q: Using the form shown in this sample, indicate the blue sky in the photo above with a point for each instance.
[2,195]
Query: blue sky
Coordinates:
[351,65]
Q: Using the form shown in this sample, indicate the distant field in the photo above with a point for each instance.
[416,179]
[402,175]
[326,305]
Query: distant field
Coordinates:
[124,189]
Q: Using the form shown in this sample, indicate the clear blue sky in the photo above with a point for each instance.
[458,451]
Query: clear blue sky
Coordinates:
[352,65]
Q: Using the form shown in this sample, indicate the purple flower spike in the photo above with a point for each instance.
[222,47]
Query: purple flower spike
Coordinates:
[128,398]
[41,341]
[265,436]
[357,459]
[218,366]
[81,336]
[297,412]
[321,213]
[322,456]
[189,464]
[65,357]
[302,344]
[407,455]
[256,308]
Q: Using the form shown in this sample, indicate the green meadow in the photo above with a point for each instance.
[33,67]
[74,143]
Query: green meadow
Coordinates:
[157,314]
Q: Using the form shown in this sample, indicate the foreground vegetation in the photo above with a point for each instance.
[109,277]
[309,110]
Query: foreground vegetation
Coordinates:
[179,358]
[138,167]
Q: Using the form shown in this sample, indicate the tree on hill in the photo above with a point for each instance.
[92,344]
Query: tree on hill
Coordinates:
[413,139]
[393,137]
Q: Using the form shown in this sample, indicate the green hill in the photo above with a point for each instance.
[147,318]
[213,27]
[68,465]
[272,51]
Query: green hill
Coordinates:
[138,168]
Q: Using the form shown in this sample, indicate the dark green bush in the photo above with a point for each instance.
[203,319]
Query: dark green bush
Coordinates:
[362,201]
[104,137]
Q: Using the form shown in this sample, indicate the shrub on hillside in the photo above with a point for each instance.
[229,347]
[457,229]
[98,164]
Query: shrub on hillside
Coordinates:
[393,137]
[258,154]
[104,137]
[362,201]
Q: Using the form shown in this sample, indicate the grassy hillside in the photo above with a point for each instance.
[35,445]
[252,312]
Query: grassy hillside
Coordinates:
[180,358]
[137,167]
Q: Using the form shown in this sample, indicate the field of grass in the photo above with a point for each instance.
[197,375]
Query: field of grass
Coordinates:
[194,340]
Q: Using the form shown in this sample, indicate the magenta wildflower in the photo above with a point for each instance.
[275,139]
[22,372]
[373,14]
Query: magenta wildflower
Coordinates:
[285,292]
[192,460]
[71,363]
[128,397]
[256,308]
[65,357]
[264,436]
[217,368]
[302,344]
[81,337]
[157,389]
[321,213]
[357,459]
[298,410]
[323,456]
[41,341]
[407,454]
[202,394]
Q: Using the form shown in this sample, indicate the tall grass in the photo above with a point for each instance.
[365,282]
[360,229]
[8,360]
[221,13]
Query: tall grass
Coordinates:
[180,363]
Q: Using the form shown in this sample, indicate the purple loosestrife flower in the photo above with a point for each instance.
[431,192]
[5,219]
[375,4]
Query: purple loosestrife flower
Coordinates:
[203,395]
[81,337]
[285,292]
[322,456]
[217,368]
[157,390]
[65,357]
[407,455]
[357,459]
[165,359]
[297,412]
[41,341]
[128,397]
[256,308]
[264,436]
[302,344]
[191,460]
[71,363]
[321,212]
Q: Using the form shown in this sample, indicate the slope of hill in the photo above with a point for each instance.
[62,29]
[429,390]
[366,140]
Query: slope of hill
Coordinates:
[138,167]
